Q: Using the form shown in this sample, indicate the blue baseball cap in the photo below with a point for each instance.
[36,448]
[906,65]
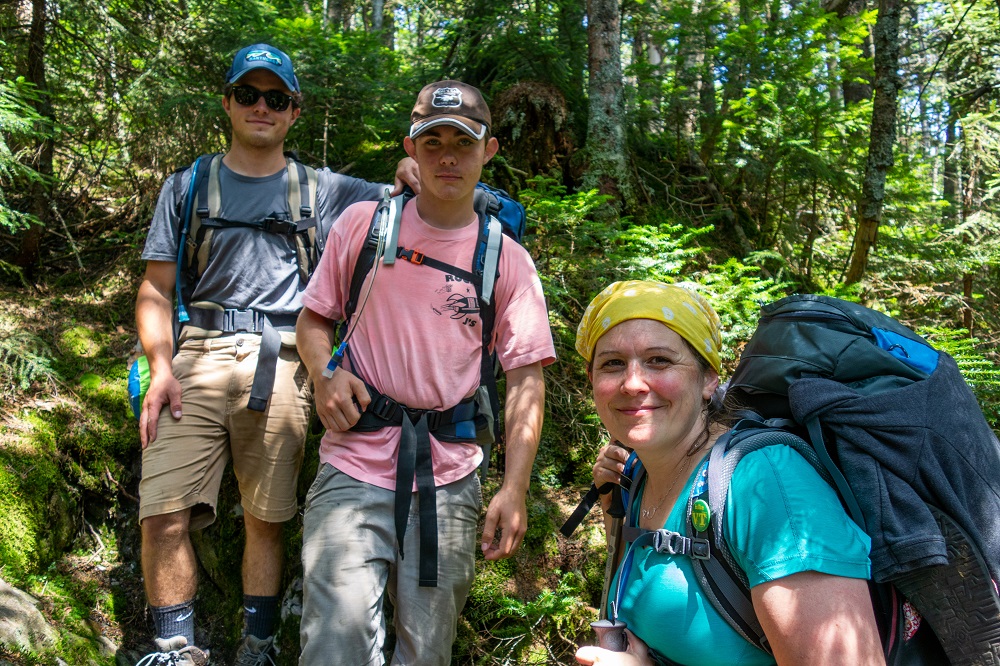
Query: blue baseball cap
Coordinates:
[263,56]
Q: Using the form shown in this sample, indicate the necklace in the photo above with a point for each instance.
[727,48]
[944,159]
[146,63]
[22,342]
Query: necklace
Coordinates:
[646,513]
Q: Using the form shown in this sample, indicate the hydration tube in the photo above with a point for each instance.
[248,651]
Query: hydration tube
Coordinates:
[337,357]
[182,315]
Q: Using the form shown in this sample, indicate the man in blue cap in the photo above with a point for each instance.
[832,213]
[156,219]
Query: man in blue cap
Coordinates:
[235,238]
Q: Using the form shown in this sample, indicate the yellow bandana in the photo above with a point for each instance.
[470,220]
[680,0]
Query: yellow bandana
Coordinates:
[685,312]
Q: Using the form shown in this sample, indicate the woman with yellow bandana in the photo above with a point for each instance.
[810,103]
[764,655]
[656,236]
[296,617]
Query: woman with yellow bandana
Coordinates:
[653,358]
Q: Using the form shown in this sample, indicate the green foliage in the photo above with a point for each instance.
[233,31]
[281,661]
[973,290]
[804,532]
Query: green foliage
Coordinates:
[661,252]
[569,249]
[34,510]
[25,359]
[542,630]
[20,125]
[979,370]
[737,292]
[336,71]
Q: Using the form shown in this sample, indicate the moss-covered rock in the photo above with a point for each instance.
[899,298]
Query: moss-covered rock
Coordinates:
[38,512]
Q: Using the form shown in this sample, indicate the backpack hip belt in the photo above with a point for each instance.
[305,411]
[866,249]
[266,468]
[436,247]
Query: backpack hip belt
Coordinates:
[269,326]
[414,460]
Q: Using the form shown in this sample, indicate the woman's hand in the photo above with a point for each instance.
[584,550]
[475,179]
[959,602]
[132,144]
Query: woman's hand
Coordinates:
[608,469]
[637,654]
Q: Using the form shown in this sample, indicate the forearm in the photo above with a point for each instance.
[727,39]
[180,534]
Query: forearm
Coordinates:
[524,410]
[314,338]
[154,317]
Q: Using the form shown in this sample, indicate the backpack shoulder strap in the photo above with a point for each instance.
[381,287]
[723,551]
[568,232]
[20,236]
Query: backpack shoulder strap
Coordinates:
[302,181]
[185,208]
[387,212]
[487,255]
[722,580]
[207,203]
[178,192]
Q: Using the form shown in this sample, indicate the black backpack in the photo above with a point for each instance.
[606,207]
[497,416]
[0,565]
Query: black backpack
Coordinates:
[902,437]
[893,427]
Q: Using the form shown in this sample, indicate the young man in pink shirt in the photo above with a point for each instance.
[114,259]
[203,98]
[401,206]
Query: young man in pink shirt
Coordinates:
[395,503]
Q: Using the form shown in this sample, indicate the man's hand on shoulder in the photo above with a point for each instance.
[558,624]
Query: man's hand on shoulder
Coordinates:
[163,392]
[506,523]
[340,400]
[407,173]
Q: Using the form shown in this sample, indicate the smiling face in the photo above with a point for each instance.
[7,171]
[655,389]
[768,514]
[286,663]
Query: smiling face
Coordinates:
[258,126]
[649,387]
[450,161]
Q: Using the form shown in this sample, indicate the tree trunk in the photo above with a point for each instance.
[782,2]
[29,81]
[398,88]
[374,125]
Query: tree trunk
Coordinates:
[949,185]
[883,136]
[338,13]
[967,298]
[31,242]
[606,167]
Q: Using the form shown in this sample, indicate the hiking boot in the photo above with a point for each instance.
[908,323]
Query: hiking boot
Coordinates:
[174,652]
[254,651]
[958,599]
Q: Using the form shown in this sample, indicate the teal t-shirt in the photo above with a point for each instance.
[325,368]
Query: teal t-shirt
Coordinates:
[781,518]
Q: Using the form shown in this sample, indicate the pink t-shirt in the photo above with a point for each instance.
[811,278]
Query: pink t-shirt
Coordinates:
[418,339]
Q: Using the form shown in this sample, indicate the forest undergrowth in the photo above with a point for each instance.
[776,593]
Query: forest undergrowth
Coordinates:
[70,455]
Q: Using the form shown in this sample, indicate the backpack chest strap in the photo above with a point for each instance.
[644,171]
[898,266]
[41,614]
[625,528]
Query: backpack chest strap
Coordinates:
[419,258]
[271,225]
[667,542]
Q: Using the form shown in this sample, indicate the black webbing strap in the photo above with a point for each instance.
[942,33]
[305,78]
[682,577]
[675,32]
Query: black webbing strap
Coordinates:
[250,321]
[414,461]
[271,225]
[267,366]
[421,259]
[583,508]
[384,412]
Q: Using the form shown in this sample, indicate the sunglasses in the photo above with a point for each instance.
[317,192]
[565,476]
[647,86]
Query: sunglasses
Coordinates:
[248,96]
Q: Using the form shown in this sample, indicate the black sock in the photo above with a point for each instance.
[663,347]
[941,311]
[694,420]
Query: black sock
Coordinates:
[259,615]
[175,620]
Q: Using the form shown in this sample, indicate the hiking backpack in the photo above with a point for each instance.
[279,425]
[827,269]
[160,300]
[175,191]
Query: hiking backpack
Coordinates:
[475,418]
[499,216]
[199,207]
[889,422]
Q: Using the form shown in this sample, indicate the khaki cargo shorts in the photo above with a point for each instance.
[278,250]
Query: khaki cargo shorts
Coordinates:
[183,467]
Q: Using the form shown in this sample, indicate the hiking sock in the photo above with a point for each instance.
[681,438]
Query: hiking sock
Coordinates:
[175,620]
[259,615]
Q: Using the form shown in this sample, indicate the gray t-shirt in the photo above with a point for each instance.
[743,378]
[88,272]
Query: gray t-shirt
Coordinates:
[250,268]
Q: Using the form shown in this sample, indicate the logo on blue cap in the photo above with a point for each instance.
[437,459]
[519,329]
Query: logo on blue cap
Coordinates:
[265,56]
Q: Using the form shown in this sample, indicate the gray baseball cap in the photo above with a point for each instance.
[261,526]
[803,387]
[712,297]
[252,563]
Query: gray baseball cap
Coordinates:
[263,56]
